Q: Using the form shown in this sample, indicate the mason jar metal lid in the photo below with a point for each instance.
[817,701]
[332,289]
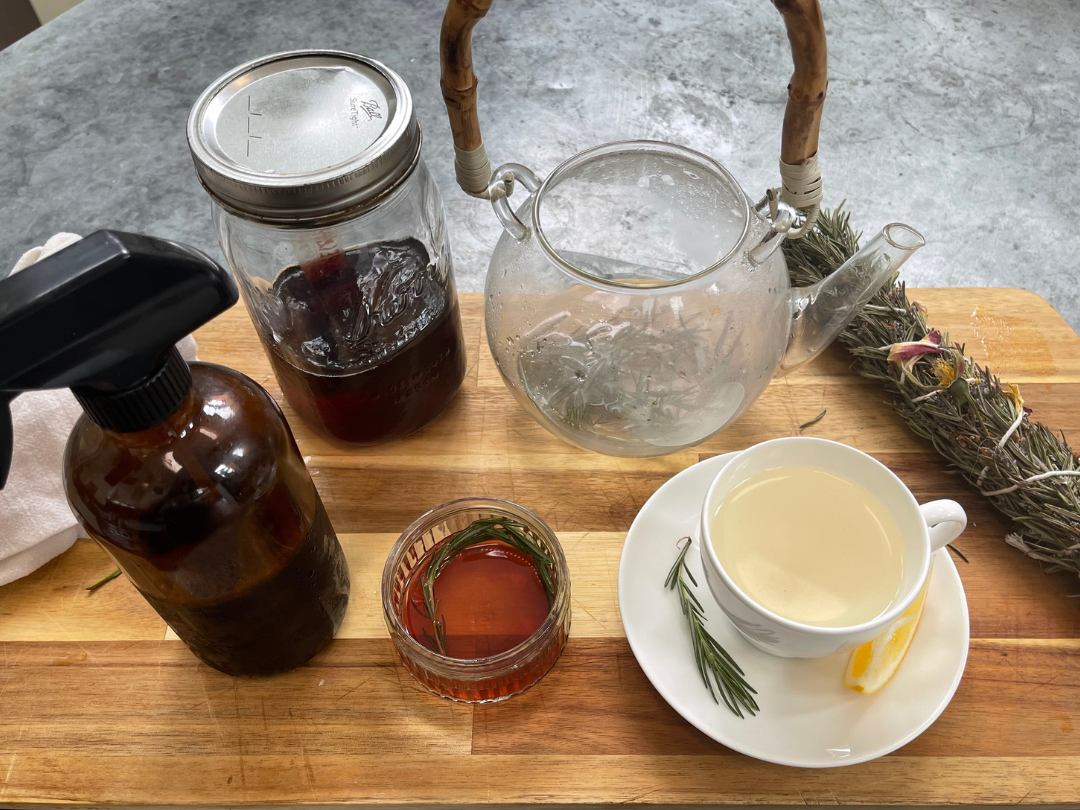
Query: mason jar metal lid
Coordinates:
[302,136]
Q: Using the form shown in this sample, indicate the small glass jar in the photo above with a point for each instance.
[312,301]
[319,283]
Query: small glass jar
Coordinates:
[334,230]
[474,680]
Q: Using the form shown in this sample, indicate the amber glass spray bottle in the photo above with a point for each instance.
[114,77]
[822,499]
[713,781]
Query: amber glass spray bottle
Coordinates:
[188,475]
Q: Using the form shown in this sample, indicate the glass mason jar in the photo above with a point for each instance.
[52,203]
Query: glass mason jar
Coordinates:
[334,230]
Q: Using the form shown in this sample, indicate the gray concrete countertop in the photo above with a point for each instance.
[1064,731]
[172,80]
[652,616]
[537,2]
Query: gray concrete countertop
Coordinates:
[955,117]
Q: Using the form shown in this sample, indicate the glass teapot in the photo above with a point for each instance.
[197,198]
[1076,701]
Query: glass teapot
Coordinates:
[638,301]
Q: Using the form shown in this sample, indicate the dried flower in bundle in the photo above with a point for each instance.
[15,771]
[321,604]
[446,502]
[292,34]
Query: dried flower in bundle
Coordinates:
[981,427]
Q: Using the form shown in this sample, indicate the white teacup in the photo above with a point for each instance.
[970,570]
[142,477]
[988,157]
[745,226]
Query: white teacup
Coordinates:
[925,528]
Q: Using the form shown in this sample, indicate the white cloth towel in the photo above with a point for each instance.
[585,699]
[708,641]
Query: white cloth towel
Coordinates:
[35,521]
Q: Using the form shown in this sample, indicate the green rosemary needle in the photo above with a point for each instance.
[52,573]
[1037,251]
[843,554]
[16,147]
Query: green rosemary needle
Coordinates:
[512,533]
[711,659]
[813,421]
[105,580]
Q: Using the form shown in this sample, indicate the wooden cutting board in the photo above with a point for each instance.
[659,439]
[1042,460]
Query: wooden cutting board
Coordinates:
[99,705]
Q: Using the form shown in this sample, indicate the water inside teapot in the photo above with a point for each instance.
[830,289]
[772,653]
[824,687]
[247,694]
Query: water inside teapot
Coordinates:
[644,373]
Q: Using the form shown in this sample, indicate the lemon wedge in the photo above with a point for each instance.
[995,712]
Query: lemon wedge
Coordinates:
[875,662]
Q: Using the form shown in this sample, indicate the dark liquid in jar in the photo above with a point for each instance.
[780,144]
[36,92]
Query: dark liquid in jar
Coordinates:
[489,598]
[279,621]
[378,336]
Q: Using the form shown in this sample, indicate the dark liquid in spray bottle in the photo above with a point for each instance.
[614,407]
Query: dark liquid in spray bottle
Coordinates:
[214,518]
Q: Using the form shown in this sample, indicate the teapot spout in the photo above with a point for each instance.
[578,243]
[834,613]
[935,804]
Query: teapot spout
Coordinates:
[821,311]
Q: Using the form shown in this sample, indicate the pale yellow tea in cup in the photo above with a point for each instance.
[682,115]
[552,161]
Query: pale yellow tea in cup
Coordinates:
[810,546]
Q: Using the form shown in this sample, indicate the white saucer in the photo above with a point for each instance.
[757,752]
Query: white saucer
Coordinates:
[807,718]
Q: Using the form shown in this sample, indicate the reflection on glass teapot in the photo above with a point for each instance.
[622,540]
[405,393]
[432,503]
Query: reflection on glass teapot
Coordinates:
[637,301]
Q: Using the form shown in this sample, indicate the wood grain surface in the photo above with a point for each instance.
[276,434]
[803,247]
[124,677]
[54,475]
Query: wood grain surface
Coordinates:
[100,704]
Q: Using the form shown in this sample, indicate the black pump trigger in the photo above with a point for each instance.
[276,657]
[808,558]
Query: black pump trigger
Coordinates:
[102,316]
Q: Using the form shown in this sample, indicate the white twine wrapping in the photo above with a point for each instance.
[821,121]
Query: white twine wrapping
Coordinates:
[801,183]
[473,169]
[1012,428]
[1031,479]
[801,189]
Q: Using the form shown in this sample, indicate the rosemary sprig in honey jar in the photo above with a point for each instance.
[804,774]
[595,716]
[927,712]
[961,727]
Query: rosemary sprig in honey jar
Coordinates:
[981,427]
[485,530]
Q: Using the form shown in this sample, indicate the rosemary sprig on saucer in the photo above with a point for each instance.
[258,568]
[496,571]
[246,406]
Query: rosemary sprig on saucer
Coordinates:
[484,530]
[711,659]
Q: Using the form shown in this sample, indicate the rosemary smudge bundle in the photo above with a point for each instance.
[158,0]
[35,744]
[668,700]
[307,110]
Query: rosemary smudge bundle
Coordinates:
[980,426]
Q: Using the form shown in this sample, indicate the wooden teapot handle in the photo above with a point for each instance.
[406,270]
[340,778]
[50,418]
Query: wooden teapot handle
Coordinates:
[809,82]
[459,92]
[802,118]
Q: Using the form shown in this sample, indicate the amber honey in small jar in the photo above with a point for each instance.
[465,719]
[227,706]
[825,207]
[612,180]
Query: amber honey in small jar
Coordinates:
[476,595]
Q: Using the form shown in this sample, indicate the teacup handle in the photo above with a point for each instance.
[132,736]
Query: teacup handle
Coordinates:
[802,117]
[946,521]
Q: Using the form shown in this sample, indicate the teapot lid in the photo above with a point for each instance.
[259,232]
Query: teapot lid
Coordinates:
[303,136]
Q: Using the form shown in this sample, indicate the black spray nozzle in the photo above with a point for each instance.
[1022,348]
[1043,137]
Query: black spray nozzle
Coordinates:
[101,317]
